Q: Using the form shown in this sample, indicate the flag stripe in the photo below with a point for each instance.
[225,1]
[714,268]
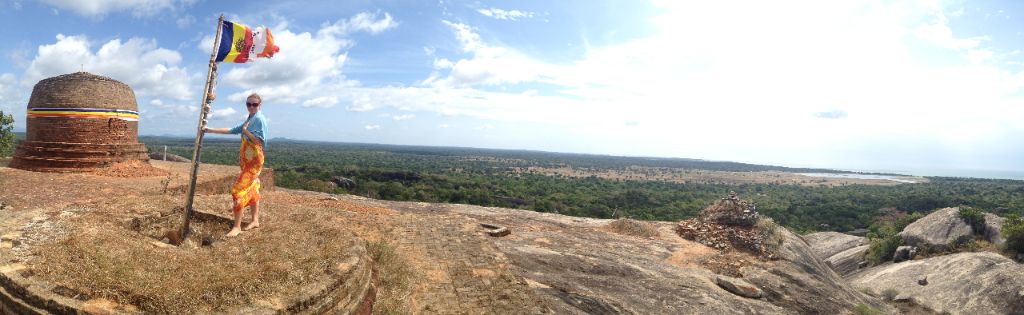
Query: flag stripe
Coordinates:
[243,53]
[227,31]
[269,48]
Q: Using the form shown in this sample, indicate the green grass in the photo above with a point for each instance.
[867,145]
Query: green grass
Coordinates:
[864,309]
[1013,229]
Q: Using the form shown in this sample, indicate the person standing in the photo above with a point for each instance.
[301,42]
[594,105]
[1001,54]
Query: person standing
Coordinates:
[246,190]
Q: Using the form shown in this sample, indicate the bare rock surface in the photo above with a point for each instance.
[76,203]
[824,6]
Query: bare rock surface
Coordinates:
[843,252]
[801,281]
[577,268]
[994,229]
[828,244]
[847,261]
[963,283]
[939,230]
[549,263]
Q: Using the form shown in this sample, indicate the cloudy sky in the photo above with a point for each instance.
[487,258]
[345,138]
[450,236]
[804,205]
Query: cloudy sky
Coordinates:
[870,85]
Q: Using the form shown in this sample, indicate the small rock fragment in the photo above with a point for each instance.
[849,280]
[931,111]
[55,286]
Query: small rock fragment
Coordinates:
[923,281]
[903,298]
[739,287]
[496,230]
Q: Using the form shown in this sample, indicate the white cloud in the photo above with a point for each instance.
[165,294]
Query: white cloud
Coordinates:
[177,110]
[500,14]
[372,127]
[9,91]
[403,117]
[185,21]
[443,126]
[321,102]
[223,113]
[361,103]
[100,8]
[484,127]
[309,66]
[150,70]
[489,65]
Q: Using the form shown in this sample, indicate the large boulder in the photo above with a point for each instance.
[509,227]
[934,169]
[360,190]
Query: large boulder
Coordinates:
[843,252]
[344,182]
[962,283]
[827,244]
[580,269]
[904,253]
[848,261]
[801,282]
[939,230]
[994,229]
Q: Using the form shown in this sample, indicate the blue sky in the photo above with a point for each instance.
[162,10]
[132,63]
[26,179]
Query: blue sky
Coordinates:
[871,85]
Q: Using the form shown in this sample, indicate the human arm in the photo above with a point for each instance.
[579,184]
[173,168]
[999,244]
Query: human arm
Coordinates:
[255,135]
[223,131]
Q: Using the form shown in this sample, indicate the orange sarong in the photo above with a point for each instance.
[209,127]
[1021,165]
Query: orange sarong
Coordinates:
[246,190]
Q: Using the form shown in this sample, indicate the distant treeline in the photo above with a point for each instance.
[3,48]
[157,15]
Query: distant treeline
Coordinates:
[495,178]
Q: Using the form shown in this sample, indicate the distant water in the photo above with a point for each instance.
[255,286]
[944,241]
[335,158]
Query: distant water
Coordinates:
[1017,175]
[898,179]
[971,173]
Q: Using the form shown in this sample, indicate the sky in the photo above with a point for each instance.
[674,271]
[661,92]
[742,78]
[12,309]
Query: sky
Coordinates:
[922,86]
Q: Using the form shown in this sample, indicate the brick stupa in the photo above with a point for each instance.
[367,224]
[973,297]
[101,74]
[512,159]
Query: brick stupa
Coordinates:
[79,122]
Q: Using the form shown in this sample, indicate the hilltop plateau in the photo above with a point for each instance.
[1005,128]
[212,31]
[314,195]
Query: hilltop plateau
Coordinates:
[94,242]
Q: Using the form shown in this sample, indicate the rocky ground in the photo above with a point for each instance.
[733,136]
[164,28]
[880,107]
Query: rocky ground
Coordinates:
[459,264]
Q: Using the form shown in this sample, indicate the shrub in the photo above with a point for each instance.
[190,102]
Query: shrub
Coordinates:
[6,134]
[973,217]
[632,227]
[864,309]
[883,238]
[882,248]
[1013,229]
[771,234]
[890,294]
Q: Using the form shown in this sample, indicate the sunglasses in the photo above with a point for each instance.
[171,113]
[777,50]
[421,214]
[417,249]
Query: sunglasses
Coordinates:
[252,104]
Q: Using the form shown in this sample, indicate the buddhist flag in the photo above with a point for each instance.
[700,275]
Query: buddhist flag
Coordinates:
[241,44]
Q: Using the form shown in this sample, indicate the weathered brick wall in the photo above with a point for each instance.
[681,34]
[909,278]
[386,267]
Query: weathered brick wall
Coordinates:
[82,90]
[66,143]
[82,130]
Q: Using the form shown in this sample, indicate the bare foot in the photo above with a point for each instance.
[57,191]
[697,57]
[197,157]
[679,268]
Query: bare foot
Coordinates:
[252,225]
[234,232]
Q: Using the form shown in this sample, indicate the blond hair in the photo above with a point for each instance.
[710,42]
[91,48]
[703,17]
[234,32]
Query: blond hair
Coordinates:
[256,96]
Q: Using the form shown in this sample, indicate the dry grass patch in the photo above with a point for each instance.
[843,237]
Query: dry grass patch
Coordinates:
[395,278]
[102,257]
[632,227]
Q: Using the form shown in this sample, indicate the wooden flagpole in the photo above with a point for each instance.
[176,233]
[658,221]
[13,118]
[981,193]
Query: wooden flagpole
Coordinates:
[211,79]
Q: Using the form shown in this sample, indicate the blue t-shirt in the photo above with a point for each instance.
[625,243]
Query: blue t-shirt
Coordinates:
[257,126]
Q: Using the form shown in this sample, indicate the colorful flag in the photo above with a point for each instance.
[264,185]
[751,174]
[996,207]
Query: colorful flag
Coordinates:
[241,44]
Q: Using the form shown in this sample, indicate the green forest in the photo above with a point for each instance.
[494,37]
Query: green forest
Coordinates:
[495,178]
